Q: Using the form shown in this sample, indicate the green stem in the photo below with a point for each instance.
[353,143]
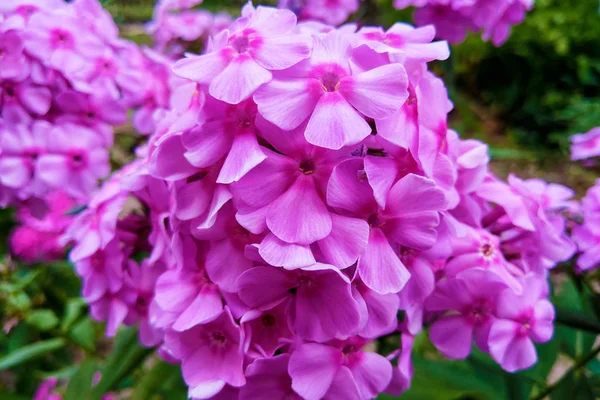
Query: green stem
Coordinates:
[577,320]
[577,366]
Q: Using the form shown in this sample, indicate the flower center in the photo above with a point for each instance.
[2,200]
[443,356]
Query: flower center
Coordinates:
[61,38]
[196,177]
[487,250]
[268,320]
[348,349]
[240,43]
[307,167]
[218,338]
[330,82]
[375,221]
[305,281]
[10,92]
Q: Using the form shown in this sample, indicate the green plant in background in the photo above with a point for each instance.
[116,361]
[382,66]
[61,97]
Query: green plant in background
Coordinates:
[545,81]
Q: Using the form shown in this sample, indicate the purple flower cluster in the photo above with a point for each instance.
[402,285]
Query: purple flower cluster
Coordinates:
[175,26]
[303,191]
[65,79]
[454,18]
[38,237]
[332,12]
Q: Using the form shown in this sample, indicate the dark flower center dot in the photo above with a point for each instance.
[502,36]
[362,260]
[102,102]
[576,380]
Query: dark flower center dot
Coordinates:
[330,82]
[305,281]
[307,167]
[196,177]
[487,250]
[10,92]
[240,44]
[218,338]
[268,320]
[349,349]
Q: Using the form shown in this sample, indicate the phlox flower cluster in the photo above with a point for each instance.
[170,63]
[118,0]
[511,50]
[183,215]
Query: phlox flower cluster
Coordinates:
[66,79]
[332,12]
[585,147]
[38,237]
[175,27]
[303,192]
[587,234]
[454,18]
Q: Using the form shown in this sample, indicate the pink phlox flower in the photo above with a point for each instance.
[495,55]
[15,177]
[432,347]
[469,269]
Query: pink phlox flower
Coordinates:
[242,58]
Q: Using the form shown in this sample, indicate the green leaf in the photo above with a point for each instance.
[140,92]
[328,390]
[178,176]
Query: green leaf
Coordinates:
[152,381]
[31,352]
[81,383]
[83,334]
[73,309]
[12,396]
[126,356]
[447,380]
[574,341]
[43,320]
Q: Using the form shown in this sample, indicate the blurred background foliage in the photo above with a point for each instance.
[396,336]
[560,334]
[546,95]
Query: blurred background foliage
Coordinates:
[525,99]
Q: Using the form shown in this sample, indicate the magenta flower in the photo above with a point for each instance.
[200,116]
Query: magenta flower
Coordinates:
[13,65]
[75,160]
[327,93]
[585,145]
[269,330]
[410,218]
[211,355]
[269,378]
[321,296]
[522,320]
[406,42]
[471,297]
[243,57]
[340,367]
[61,40]
[188,297]
[230,132]
[19,99]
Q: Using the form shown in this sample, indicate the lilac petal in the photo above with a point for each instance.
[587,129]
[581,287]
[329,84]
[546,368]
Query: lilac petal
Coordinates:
[281,254]
[511,350]
[206,307]
[377,93]
[310,220]
[379,267]
[263,285]
[417,231]
[343,386]
[348,239]
[244,155]
[372,374]
[414,194]
[381,173]
[225,263]
[281,52]
[36,98]
[206,144]
[239,80]
[348,190]
[452,335]
[326,309]
[167,161]
[313,368]
[335,124]
[287,103]
[202,69]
